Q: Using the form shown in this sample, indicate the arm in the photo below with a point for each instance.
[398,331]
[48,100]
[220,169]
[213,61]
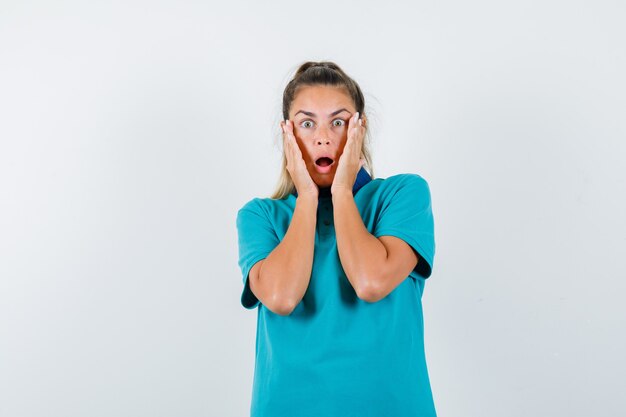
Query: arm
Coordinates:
[280,280]
[374,266]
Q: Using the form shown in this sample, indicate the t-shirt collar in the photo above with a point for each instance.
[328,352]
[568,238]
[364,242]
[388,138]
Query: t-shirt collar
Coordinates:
[362,178]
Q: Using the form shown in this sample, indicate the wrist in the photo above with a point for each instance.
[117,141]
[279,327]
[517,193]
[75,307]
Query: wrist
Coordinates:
[341,192]
[307,199]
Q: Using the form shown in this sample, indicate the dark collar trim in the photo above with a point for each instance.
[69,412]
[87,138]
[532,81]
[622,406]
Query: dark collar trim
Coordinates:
[362,178]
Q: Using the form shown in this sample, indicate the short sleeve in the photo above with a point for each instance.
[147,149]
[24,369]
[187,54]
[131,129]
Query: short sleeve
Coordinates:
[257,238]
[407,214]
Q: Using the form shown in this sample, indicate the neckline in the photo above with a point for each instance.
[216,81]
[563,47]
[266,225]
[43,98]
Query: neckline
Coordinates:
[362,178]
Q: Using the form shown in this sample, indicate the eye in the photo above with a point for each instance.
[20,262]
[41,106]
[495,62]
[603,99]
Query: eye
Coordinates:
[306,124]
[341,122]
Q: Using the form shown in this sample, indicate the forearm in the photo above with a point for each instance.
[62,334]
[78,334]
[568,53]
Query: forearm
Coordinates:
[361,254]
[286,271]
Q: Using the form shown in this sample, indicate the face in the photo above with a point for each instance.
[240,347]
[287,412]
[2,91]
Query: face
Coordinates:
[320,117]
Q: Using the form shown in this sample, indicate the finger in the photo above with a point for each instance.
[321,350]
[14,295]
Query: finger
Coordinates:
[358,126]
[287,134]
[290,130]
[292,152]
[359,130]
[355,126]
[353,121]
[292,139]
[287,144]
[283,129]
[355,137]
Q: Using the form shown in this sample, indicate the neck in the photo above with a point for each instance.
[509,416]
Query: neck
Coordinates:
[362,178]
[324,192]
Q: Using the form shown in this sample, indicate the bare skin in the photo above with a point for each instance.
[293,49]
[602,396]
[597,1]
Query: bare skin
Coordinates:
[320,118]
[323,121]
[280,280]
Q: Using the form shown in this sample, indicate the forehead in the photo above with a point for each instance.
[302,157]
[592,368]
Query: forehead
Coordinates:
[321,99]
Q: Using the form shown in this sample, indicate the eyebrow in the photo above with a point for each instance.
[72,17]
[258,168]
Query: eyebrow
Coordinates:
[308,113]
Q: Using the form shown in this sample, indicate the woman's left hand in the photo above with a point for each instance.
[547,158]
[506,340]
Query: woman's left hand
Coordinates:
[350,161]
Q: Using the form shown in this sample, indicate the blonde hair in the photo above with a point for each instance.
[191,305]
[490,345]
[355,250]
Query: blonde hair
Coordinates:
[321,73]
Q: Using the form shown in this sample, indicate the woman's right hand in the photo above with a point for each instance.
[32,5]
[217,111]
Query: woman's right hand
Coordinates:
[295,163]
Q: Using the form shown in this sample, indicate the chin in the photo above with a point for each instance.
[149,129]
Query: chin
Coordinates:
[324,183]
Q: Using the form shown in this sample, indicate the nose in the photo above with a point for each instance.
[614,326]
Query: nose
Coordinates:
[322,136]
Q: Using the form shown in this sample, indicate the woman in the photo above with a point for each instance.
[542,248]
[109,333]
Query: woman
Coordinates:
[336,263]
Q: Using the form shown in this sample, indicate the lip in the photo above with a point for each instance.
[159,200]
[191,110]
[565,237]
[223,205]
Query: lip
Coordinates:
[326,169]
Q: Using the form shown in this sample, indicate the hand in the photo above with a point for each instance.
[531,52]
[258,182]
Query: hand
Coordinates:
[295,163]
[350,161]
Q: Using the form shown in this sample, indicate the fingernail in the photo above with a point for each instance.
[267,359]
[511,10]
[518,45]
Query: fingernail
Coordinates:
[356,116]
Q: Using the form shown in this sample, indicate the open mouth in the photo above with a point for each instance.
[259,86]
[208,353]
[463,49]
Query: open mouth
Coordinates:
[324,162]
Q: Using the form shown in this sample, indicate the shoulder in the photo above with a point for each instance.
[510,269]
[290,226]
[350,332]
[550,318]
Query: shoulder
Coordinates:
[409,179]
[268,207]
[254,204]
[407,182]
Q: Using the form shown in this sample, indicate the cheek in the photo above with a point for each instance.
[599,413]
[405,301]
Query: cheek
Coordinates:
[343,141]
[302,133]
[341,132]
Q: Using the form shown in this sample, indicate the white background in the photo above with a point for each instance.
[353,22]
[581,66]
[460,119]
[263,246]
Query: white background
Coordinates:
[132,132]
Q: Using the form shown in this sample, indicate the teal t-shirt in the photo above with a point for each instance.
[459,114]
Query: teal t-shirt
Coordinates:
[337,355]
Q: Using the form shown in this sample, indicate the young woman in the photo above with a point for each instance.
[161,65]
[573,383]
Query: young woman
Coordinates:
[335,263]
